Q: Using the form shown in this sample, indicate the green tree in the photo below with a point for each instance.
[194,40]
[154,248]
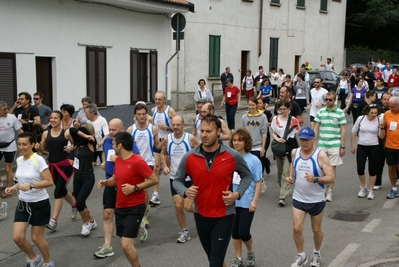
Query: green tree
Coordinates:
[373,24]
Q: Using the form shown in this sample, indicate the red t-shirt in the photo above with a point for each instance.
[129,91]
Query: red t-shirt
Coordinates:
[133,171]
[231,95]
[394,80]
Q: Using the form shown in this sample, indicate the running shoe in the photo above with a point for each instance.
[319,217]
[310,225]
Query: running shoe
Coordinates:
[51,264]
[184,236]
[393,194]
[281,203]
[104,252]
[316,258]
[52,225]
[251,259]
[87,227]
[237,263]
[36,262]
[362,192]
[299,261]
[329,195]
[370,195]
[155,199]
[3,211]
[74,213]
[142,231]
[377,187]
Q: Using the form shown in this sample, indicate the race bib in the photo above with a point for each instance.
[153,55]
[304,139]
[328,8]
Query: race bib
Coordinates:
[76,163]
[236,178]
[111,152]
[393,125]
[358,95]
[299,91]
[228,94]
[379,95]
[19,116]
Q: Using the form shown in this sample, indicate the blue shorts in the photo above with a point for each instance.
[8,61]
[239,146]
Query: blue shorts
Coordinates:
[313,209]
[172,189]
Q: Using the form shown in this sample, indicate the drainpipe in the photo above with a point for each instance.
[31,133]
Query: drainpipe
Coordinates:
[260,29]
[166,72]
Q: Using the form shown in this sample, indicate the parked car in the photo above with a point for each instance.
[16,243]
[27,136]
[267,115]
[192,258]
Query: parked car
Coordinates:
[330,78]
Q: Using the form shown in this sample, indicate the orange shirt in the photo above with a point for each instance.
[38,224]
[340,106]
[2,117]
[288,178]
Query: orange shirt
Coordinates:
[391,124]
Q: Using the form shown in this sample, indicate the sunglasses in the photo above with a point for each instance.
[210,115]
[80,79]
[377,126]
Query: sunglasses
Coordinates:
[36,98]
[330,99]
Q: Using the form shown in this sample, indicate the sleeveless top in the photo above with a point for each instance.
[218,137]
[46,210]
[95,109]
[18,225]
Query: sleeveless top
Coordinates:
[176,149]
[55,146]
[144,140]
[197,125]
[161,117]
[304,191]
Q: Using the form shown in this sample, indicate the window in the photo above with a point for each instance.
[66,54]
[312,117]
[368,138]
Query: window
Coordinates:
[323,5]
[96,60]
[8,80]
[275,2]
[300,3]
[273,56]
[214,55]
[143,75]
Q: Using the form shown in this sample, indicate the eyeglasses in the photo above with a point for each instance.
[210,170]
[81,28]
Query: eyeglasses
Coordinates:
[36,98]
[330,99]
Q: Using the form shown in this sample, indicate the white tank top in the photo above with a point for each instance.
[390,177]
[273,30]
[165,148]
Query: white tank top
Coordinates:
[304,191]
[176,149]
[197,125]
[145,142]
[161,117]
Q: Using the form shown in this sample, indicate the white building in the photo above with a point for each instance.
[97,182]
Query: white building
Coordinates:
[111,50]
[244,34]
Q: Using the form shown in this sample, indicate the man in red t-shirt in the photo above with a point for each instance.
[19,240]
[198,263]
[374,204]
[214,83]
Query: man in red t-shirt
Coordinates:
[131,176]
[393,80]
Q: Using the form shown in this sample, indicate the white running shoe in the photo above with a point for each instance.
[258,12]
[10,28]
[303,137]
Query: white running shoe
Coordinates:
[362,192]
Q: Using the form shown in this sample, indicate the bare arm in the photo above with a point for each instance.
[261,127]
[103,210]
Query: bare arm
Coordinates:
[225,131]
[343,137]
[194,141]
[254,203]
[157,143]
[164,158]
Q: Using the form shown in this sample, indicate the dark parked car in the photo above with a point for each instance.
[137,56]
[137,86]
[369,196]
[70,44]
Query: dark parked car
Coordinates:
[330,78]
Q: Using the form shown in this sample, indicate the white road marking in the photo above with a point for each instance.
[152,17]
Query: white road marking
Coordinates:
[341,259]
[389,204]
[371,226]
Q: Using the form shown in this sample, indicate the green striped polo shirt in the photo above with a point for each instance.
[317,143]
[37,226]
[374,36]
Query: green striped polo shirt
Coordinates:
[330,126]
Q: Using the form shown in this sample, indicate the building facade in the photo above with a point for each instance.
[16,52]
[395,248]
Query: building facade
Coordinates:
[113,51]
[245,34]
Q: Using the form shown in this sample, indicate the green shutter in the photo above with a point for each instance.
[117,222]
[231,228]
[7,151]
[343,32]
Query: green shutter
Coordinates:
[323,5]
[214,55]
[273,55]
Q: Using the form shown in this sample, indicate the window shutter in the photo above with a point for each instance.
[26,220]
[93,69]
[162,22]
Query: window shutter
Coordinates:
[153,73]
[323,5]
[134,75]
[214,55]
[102,79]
[273,55]
[96,61]
[8,82]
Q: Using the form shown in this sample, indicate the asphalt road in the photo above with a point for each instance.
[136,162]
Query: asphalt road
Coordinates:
[345,243]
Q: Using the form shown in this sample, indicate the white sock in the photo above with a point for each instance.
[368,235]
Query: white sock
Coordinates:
[302,254]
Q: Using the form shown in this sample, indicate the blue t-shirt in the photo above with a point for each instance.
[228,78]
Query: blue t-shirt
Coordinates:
[109,165]
[265,90]
[255,166]
[358,95]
